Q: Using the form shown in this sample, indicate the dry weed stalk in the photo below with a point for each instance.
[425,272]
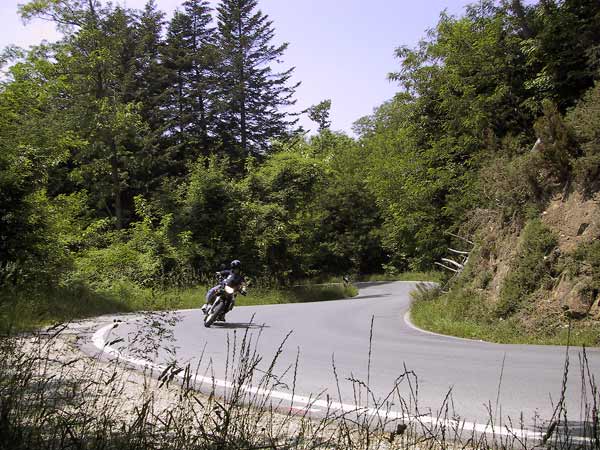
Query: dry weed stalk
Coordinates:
[52,399]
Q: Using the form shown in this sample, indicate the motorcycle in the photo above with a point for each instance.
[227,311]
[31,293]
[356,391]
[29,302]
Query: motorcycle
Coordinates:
[225,300]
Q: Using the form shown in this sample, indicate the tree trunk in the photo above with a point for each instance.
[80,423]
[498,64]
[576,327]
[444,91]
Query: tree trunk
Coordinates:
[243,130]
[116,185]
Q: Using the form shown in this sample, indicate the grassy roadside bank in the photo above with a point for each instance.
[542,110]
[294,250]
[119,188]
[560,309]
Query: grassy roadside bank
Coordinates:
[407,276]
[465,313]
[24,310]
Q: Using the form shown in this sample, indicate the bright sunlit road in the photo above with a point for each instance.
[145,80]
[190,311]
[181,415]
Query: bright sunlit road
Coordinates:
[485,380]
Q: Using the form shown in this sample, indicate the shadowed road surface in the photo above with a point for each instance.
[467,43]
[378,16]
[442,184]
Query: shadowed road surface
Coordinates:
[501,381]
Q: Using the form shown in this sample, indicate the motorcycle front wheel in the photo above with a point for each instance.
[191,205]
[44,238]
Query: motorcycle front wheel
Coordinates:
[213,314]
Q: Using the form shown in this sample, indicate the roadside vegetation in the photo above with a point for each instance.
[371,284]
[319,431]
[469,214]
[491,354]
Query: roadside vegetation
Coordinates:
[432,276]
[466,313]
[52,398]
[138,154]
[134,162]
[27,311]
[533,301]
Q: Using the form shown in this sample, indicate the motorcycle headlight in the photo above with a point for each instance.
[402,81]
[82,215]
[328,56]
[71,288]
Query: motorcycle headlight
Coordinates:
[229,290]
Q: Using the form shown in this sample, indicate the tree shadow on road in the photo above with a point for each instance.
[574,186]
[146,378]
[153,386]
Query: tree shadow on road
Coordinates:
[240,325]
[366,284]
[371,296]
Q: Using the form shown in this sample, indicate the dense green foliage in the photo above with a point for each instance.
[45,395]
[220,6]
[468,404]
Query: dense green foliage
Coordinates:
[531,266]
[146,153]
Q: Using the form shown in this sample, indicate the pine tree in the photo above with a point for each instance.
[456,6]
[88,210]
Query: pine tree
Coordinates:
[201,40]
[251,94]
[189,62]
[149,78]
[175,66]
[113,124]
[150,85]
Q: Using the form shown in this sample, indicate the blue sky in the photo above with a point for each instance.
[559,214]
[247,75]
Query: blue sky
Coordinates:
[342,50]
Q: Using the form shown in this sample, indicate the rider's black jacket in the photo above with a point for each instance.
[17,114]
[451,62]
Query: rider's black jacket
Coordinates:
[235,280]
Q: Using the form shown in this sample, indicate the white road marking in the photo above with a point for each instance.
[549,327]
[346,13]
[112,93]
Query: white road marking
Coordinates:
[99,341]
[445,336]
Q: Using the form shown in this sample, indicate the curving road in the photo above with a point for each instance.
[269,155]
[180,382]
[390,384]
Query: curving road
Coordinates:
[486,380]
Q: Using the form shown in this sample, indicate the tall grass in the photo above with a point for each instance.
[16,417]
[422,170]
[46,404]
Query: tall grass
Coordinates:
[52,399]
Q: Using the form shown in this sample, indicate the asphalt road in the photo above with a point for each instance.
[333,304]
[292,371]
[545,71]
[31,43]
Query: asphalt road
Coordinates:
[503,382]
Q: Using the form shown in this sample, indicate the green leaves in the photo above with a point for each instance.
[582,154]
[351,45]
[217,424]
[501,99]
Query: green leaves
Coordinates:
[530,267]
[170,151]
[584,120]
[319,113]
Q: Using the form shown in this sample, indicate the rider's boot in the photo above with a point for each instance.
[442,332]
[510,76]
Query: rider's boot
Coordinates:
[204,308]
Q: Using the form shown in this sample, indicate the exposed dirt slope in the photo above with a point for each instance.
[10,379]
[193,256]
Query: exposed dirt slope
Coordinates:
[576,221]
[566,288]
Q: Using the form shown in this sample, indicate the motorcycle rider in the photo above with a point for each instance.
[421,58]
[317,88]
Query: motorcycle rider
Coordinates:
[238,279]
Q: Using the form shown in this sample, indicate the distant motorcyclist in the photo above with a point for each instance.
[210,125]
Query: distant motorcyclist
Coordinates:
[222,275]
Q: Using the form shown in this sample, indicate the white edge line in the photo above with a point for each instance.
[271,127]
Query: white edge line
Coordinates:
[99,341]
[431,333]
[416,328]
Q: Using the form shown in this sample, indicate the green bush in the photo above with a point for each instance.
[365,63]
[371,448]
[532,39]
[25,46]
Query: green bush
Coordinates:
[142,254]
[587,261]
[120,261]
[514,185]
[559,147]
[530,268]
[584,120]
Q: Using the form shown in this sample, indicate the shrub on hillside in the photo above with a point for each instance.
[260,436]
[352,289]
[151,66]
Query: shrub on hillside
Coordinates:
[513,185]
[558,147]
[142,254]
[585,121]
[531,266]
[587,266]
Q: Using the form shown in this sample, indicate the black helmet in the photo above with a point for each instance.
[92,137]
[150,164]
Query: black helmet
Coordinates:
[236,264]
